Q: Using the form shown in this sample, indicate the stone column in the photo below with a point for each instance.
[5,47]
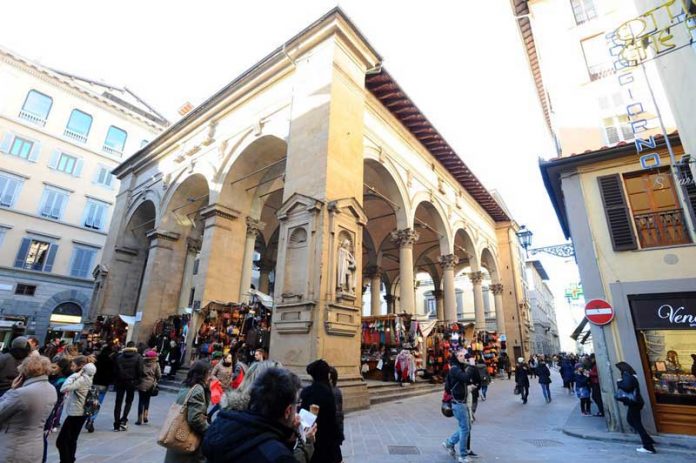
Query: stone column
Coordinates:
[497,290]
[479,309]
[193,246]
[448,262]
[265,267]
[439,303]
[390,300]
[254,227]
[407,295]
[374,273]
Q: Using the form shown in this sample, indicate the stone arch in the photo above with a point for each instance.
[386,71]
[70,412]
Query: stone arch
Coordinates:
[183,193]
[149,195]
[489,262]
[390,185]
[428,214]
[464,247]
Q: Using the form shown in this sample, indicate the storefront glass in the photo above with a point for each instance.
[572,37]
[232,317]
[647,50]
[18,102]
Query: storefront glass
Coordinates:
[672,367]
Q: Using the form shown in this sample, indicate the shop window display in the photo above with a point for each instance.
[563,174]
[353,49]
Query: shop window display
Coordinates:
[672,360]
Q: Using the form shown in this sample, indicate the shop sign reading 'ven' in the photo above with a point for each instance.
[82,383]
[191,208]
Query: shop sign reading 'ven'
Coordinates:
[664,312]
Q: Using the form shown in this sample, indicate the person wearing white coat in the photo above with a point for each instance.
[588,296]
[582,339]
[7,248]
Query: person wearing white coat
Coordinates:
[77,386]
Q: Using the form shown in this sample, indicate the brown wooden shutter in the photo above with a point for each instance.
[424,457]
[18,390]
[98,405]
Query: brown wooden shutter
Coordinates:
[688,185]
[618,216]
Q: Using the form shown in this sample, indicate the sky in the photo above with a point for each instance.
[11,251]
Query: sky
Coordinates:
[461,61]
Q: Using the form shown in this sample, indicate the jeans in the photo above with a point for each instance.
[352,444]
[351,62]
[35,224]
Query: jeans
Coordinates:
[102,394]
[483,390]
[524,393]
[546,390]
[633,418]
[143,402]
[461,435]
[67,438]
[129,393]
[586,406]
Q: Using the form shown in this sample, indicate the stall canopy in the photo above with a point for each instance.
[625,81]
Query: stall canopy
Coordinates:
[128,319]
[265,299]
[427,327]
[582,331]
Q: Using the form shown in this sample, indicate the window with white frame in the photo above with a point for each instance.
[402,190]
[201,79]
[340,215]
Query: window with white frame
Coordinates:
[103,177]
[78,126]
[36,107]
[63,162]
[9,189]
[20,147]
[618,128]
[115,141]
[597,58]
[95,215]
[82,261]
[36,254]
[53,203]
[583,10]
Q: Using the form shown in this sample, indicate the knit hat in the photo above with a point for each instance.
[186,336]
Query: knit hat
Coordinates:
[20,342]
[151,354]
[217,354]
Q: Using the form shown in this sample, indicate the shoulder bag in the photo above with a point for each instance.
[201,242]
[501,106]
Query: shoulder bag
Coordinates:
[176,433]
[627,398]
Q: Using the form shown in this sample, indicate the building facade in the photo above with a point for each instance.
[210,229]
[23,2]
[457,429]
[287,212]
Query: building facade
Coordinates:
[60,138]
[545,338]
[635,249]
[316,163]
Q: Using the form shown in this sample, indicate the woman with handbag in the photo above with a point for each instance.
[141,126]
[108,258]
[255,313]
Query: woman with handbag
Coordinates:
[77,386]
[629,394]
[582,389]
[151,376]
[195,398]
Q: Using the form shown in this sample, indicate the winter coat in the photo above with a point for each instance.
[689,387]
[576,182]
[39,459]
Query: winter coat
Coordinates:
[629,383]
[327,448]
[151,374]
[129,368]
[544,374]
[8,368]
[223,374]
[244,437]
[581,380]
[78,385]
[338,395]
[23,412]
[197,417]
[457,380]
[483,373]
[522,375]
[567,371]
[106,369]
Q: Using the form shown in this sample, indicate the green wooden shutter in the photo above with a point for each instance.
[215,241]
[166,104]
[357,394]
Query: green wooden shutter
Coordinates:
[619,219]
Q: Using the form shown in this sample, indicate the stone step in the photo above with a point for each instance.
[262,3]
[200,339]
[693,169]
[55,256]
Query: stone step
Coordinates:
[402,394]
[398,389]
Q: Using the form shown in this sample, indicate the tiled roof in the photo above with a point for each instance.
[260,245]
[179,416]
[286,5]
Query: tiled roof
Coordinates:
[390,94]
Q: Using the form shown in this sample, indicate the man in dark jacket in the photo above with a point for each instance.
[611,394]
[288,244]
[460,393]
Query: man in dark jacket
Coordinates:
[522,378]
[103,378]
[129,370]
[19,350]
[265,433]
[544,375]
[456,385]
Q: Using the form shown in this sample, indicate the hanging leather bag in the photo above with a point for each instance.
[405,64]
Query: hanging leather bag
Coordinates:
[176,433]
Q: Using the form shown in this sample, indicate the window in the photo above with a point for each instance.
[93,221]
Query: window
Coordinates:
[53,203]
[658,218]
[20,147]
[25,290]
[3,232]
[82,261]
[36,255]
[618,128]
[115,141]
[583,10]
[597,58]
[65,163]
[103,177]
[95,215]
[36,107]
[144,142]
[78,126]
[9,189]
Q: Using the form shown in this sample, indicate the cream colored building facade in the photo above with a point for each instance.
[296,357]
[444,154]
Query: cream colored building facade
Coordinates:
[545,338]
[60,137]
[318,162]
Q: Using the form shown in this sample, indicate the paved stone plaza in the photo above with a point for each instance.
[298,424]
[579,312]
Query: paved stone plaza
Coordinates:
[505,431]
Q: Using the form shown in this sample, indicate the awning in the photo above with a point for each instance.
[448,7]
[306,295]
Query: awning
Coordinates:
[265,299]
[427,327]
[72,327]
[128,319]
[581,332]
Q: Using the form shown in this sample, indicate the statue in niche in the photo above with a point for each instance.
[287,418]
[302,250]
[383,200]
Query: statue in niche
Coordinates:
[346,268]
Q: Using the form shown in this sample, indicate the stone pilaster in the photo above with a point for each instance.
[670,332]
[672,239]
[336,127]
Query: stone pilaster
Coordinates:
[253,228]
[479,309]
[439,303]
[374,273]
[405,239]
[448,262]
[497,290]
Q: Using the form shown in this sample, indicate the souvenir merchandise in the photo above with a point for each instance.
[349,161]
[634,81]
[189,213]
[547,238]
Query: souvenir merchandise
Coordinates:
[392,332]
[107,329]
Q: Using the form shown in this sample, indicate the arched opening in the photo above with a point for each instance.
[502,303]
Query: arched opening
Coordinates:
[426,303]
[65,321]
[465,297]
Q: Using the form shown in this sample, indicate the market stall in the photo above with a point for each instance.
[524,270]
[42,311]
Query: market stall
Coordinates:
[390,347]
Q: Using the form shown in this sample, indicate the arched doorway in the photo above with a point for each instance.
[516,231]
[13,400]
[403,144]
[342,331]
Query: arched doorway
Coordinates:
[65,321]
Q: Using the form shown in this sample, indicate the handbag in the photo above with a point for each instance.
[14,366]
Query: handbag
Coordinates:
[518,390]
[446,407]
[154,392]
[176,433]
[627,398]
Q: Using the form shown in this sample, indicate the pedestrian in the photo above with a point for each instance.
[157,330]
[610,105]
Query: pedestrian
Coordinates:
[456,384]
[103,378]
[151,376]
[522,379]
[34,344]
[9,361]
[338,395]
[485,378]
[238,399]
[260,354]
[265,433]
[129,372]
[327,448]
[77,386]
[506,364]
[532,366]
[198,394]
[60,372]
[568,374]
[173,358]
[629,384]
[23,411]
[582,389]
[595,387]
[544,375]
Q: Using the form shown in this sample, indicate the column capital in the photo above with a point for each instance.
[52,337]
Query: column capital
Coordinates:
[448,262]
[265,265]
[405,237]
[438,293]
[218,210]
[193,244]
[162,235]
[476,277]
[373,271]
[389,298]
[254,227]
[496,288]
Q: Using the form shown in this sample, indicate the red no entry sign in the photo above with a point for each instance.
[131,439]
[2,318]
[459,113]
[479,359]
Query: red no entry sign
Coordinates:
[599,312]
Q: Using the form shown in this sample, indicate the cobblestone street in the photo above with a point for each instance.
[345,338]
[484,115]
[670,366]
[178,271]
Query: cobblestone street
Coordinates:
[505,431]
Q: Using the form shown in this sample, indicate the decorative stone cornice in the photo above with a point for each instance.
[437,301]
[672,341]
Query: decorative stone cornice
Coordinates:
[448,262]
[218,210]
[254,227]
[476,277]
[163,235]
[496,288]
[405,237]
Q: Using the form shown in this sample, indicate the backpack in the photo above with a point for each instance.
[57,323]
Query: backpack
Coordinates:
[92,404]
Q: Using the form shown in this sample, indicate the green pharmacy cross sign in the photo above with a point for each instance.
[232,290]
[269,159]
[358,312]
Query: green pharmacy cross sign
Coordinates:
[574,292]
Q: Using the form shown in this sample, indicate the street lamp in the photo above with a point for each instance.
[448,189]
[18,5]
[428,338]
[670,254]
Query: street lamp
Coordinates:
[525,236]
[558,250]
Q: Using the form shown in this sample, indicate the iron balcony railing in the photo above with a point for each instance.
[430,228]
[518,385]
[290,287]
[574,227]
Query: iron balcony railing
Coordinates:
[112,151]
[75,136]
[33,118]
[665,228]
